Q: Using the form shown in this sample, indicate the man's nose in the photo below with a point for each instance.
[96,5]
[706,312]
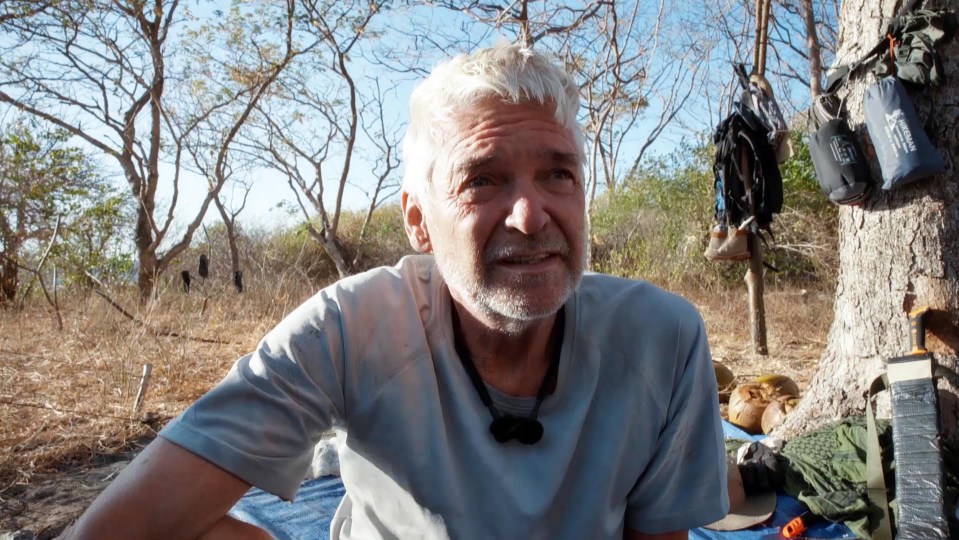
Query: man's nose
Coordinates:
[527,213]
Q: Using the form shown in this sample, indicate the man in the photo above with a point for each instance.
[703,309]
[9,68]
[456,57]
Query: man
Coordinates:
[488,390]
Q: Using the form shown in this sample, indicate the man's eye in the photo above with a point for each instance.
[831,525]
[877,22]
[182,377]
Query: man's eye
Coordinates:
[478,182]
[562,177]
[478,189]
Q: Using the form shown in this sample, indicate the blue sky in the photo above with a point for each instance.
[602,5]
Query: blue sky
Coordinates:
[270,190]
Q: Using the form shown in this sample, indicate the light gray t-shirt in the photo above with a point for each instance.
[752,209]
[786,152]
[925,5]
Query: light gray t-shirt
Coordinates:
[632,435]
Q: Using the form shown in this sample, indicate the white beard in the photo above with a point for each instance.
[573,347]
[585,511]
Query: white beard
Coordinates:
[504,305]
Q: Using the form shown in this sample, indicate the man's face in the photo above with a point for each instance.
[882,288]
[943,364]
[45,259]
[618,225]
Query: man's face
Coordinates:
[505,213]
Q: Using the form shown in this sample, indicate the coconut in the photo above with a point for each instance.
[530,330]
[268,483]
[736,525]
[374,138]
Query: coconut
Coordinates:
[775,413]
[725,380]
[746,406]
[779,385]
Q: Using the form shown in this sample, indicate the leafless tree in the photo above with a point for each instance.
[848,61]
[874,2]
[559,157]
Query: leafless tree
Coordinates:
[313,125]
[384,137]
[230,59]
[634,79]
[110,74]
[801,40]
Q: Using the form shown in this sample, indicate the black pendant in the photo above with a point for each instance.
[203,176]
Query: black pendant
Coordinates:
[524,430]
[507,427]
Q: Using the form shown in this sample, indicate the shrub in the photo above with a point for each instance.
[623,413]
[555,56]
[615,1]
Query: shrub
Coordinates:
[267,254]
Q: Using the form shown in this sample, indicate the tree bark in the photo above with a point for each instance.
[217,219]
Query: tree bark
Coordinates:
[897,252]
[332,246]
[9,279]
[9,266]
[147,274]
[229,222]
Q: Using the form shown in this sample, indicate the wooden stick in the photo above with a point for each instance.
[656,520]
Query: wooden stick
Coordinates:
[763,38]
[757,38]
[144,384]
[754,274]
[109,300]
[47,406]
[755,288]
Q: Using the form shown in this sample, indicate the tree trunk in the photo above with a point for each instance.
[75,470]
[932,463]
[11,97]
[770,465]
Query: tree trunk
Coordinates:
[897,252]
[230,224]
[814,48]
[9,278]
[9,267]
[146,255]
[334,249]
[234,256]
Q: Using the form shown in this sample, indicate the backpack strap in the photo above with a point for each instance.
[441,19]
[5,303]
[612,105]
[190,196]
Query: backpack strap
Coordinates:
[839,75]
[914,55]
[879,523]
[875,481]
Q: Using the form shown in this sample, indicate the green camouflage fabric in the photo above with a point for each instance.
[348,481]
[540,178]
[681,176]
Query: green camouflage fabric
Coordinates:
[916,59]
[826,470]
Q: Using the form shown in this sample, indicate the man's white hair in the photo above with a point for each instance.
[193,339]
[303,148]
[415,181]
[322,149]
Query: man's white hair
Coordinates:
[507,73]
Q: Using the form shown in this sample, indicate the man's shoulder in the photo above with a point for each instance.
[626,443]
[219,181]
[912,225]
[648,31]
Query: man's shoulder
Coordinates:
[613,293]
[413,277]
[616,311]
[370,296]
[410,271]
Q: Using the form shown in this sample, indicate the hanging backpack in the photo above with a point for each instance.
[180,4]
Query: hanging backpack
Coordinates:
[757,97]
[839,163]
[745,165]
[749,143]
[915,59]
[911,38]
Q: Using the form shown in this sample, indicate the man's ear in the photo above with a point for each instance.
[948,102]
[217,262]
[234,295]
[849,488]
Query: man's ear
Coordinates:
[414,221]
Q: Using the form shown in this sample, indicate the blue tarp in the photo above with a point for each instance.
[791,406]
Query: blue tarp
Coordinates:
[309,517]
[787,508]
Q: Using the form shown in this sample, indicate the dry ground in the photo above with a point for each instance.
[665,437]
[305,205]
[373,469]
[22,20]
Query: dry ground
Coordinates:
[66,397]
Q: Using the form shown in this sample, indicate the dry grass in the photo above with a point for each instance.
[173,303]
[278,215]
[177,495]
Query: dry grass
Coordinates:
[67,396]
[797,322]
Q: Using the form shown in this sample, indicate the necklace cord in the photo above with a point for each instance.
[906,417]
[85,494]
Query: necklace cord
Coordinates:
[551,373]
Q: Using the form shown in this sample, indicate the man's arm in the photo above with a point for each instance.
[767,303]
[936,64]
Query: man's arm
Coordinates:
[675,535]
[166,492]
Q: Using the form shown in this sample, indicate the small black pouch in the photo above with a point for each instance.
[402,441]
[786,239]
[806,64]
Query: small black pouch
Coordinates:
[839,163]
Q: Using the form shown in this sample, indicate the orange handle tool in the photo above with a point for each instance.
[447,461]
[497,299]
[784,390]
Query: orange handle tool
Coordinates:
[794,528]
[917,329]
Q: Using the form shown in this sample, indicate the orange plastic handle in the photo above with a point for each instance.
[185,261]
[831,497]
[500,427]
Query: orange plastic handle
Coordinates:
[794,528]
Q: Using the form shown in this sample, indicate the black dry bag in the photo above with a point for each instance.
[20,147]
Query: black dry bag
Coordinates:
[904,151]
[839,163]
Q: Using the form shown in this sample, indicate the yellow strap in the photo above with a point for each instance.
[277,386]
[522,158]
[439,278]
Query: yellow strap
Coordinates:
[875,481]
